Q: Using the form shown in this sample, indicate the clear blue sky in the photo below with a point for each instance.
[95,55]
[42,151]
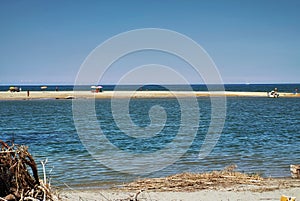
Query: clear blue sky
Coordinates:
[255,41]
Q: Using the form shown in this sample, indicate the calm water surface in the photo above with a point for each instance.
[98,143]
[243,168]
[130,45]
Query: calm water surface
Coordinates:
[260,135]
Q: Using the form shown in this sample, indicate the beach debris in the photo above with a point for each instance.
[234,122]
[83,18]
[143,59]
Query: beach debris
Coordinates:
[287,198]
[131,197]
[295,171]
[230,168]
[225,179]
[19,178]
[135,197]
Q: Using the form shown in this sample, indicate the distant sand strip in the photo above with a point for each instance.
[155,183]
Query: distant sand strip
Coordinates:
[129,94]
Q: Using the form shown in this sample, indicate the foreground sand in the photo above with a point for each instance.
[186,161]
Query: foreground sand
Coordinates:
[5,95]
[203,195]
[217,185]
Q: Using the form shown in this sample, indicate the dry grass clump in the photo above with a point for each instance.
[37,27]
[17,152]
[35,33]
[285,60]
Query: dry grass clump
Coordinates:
[225,179]
[19,178]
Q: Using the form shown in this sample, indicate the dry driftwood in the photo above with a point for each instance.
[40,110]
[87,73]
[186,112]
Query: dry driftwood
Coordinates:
[295,171]
[19,178]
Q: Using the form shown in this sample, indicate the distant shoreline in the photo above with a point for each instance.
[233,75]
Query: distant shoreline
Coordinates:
[130,94]
[282,88]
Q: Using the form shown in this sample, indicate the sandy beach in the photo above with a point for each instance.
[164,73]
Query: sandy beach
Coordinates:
[216,185]
[272,190]
[215,195]
[5,95]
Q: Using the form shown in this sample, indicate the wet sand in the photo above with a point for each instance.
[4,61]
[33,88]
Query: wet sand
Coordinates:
[5,95]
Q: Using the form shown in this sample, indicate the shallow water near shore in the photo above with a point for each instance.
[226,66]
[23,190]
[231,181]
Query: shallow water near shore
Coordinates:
[261,135]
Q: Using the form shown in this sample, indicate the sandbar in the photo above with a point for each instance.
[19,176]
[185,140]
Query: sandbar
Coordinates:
[6,95]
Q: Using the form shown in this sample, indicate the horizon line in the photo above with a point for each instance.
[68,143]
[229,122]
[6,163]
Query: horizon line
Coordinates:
[134,84]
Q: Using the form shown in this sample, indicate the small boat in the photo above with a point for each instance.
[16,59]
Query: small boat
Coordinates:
[44,88]
[70,97]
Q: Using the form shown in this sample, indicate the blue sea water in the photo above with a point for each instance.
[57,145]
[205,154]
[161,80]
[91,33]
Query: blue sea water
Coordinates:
[260,135]
[195,87]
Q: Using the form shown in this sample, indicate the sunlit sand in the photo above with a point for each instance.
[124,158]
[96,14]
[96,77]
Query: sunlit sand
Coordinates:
[129,94]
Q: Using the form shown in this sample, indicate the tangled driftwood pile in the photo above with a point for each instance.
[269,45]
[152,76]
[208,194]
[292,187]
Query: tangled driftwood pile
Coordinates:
[19,178]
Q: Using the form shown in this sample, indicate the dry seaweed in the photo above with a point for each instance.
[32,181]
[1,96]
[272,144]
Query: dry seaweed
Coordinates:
[226,179]
[19,178]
